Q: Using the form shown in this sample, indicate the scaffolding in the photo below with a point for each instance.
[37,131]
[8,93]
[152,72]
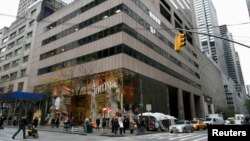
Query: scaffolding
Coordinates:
[17,104]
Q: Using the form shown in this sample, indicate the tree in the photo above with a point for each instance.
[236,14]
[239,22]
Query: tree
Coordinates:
[229,112]
[247,105]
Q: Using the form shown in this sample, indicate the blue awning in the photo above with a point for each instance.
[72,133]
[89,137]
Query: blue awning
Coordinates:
[23,96]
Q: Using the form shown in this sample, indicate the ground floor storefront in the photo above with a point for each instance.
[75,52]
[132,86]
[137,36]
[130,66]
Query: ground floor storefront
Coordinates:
[123,91]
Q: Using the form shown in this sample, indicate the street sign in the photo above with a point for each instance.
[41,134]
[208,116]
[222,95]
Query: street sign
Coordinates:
[148,107]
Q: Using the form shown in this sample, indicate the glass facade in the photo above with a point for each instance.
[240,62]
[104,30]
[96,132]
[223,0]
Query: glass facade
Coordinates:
[114,89]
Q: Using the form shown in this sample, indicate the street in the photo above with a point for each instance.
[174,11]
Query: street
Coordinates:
[7,133]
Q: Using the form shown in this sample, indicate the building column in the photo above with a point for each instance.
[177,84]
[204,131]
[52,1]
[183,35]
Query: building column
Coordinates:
[168,105]
[192,106]
[203,107]
[180,104]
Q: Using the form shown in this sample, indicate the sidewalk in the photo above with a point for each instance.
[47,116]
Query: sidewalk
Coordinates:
[79,131]
[95,132]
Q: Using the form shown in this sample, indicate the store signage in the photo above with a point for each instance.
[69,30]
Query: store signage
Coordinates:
[104,87]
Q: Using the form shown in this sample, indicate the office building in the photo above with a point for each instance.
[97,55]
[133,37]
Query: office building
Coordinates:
[234,70]
[118,54]
[206,22]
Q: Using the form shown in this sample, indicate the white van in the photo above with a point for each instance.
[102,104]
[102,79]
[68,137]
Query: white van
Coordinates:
[214,121]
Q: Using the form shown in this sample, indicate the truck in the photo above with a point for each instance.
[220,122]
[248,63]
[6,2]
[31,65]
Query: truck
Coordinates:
[214,119]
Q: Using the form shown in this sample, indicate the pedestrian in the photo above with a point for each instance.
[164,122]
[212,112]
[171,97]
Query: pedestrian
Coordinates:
[121,126]
[53,122]
[132,125]
[104,124]
[86,124]
[1,122]
[9,120]
[113,124]
[246,121]
[35,121]
[57,121]
[97,123]
[125,124]
[116,124]
[22,124]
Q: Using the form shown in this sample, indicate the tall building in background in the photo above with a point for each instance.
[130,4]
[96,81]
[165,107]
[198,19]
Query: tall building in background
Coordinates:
[207,22]
[234,70]
[50,6]
[248,6]
[23,7]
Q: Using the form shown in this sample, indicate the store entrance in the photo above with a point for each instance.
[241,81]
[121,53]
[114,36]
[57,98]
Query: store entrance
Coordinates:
[80,108]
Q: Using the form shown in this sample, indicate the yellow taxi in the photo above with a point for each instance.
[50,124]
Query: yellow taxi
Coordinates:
[197,125]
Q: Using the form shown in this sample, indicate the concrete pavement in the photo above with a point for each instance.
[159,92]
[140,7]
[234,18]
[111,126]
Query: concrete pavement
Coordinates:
[79,130]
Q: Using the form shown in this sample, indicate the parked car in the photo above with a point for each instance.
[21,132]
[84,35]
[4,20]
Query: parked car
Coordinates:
[197,125]
[181,126]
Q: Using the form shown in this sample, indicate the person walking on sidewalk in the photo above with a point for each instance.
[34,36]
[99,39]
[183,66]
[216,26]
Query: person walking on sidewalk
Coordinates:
[97,121]
[22,124]
[121,126]
[104,124]
[125,124]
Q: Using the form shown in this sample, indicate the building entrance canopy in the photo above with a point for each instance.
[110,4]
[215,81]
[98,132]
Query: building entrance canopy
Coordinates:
[23,96]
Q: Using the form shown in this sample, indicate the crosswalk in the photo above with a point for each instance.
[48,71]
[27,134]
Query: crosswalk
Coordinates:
[172,137]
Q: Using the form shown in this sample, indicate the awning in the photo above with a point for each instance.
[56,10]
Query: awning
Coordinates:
[23,96]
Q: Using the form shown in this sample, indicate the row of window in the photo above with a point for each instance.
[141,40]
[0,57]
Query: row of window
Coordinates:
[14,75]
[83,24]
[170,32]
[15,53]
[14,63]
[20,30]
[17,42]
[10,87]
[111,31]
[74,14]
[114,51]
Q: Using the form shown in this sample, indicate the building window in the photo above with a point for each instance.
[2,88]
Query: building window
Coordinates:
[22,29]
[11,87]
[1,59]
[31,23]
[8,56]
[27,46]
[5,77]
[20,40]
[13,75]
[29,35]
[15,63]
[6,67]
[33,12]
[3,49]
[23,72]
[11,45]
[5,40]
[25,59]
[18,51]
[20,86]
[12,35]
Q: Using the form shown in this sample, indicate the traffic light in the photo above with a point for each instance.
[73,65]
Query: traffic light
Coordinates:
[180,41]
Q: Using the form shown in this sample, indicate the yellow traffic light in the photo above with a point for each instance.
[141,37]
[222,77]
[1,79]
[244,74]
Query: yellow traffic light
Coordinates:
[180,42]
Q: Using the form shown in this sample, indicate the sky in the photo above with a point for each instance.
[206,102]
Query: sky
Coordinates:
[229,12]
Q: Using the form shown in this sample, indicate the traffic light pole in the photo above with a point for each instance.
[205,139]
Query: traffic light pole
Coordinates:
[213,36]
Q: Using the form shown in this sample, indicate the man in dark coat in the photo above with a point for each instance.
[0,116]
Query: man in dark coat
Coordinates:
[22,124]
